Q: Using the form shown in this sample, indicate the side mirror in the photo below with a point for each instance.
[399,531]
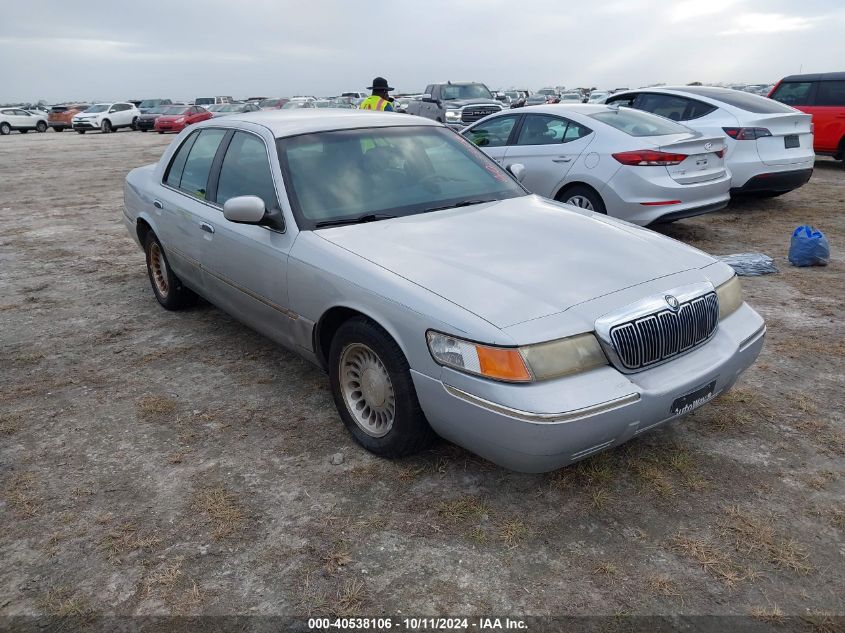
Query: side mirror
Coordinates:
[244,209]
[517,170]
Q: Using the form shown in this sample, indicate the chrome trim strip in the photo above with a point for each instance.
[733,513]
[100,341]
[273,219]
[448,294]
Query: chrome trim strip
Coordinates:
[543,418]
[270,304]
[753,338]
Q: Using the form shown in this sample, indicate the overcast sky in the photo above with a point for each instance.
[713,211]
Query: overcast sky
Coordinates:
[59,50]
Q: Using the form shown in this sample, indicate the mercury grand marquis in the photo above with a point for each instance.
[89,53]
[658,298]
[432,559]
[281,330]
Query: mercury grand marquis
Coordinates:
[438,294]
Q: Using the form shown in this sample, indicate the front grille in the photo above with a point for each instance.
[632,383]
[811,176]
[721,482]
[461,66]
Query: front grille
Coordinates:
[662,335]
[472,114]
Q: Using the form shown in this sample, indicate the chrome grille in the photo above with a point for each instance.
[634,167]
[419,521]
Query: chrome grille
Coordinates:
[471,114]
[662,335]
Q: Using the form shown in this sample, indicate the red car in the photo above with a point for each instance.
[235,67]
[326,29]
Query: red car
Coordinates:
[823,96]
[177,118]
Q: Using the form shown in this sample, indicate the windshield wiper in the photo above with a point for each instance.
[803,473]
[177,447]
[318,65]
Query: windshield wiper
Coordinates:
[367,217]
[462,203]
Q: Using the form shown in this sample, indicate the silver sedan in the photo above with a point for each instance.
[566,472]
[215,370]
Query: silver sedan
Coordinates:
[629,164]
[438,294]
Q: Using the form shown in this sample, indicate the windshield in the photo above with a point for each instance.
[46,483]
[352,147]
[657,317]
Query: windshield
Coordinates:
[203,100]
[216,107]
[393,171]
[177,110]
[235,107]
[100,107]
[637,123]
[159,109]
[149,103]
[465,91]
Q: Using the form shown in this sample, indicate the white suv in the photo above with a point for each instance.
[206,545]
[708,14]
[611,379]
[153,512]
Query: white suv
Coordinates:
[106,117]
[21,120]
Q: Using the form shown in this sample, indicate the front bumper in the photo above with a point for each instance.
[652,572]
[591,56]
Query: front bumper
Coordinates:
[776,182]
[86,125]
[169,127]
[543,426]
[145,124]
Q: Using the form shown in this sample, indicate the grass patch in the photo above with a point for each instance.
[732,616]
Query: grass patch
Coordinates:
[62,603]
[155,407]
[125,539]
[606,568]
[770,614]
[21,495]
[756,536]
[462,510]
[712,559]
[513,532]
[221,510]
[10,423]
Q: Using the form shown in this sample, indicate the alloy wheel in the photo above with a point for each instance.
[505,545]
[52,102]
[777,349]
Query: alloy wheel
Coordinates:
[367,390]
[581,202]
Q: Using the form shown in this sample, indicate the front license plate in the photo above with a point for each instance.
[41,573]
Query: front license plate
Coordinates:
[694,399]
[791,140]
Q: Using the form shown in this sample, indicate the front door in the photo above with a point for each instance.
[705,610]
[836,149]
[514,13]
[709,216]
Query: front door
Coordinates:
[245,265]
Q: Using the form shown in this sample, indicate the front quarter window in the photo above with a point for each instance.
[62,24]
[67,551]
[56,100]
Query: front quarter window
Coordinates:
[390,171]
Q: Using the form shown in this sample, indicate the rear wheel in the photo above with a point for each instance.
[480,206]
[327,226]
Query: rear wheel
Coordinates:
[105,126]
[373,391]
[5,129]
[167,287]
[134,125]
[41,126]
[582,197]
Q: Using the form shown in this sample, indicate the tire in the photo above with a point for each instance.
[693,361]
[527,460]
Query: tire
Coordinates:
[582,197]
[134,124]
[58,129]
[80,131]
[167,287]
[41,127]
[160,132]
[395,427]
[106,126]
[5,129]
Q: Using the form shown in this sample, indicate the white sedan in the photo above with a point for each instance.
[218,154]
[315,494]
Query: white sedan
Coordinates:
[21,120]
[769,144]
[628,164]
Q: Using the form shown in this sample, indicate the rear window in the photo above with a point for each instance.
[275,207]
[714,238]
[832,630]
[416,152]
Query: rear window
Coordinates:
[59,109]
[636,123]
[831,93]
[794,93]
[745,101]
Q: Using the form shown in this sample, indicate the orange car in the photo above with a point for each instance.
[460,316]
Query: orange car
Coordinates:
[59,117]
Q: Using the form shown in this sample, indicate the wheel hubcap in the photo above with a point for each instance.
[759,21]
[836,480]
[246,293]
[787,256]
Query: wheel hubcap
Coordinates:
[367,390]
[581,202]
[158,267]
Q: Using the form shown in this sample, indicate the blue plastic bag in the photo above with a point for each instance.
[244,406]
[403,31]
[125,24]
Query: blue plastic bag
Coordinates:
[809,247]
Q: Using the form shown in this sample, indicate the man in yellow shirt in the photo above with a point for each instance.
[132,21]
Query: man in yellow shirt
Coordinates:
[379,100]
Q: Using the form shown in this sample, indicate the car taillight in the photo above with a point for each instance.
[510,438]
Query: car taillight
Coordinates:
[649,158]
[746,133]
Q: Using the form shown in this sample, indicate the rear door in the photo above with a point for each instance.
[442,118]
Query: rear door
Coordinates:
[185,215]
[548,147]
[828,113]
[245,265]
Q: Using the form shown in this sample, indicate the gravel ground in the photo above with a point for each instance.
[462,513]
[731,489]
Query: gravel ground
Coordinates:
[158,463]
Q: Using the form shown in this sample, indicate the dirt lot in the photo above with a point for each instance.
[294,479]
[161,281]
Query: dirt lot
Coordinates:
[178,463]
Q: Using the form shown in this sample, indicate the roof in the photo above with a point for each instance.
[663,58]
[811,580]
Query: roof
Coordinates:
[562,108]
[817,77]
[305,121]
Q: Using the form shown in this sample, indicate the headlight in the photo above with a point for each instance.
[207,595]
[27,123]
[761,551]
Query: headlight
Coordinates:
[730,297]
[565,356]
[525,364]
[453,115]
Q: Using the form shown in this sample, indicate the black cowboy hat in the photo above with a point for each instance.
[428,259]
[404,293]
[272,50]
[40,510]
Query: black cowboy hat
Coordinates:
[380,83]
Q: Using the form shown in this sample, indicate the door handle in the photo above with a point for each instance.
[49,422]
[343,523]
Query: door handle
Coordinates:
[157,204]
[562,159]
[205,226]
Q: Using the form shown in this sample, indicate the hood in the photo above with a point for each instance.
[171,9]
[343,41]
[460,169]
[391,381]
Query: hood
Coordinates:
[148,116]
[169,117]
[465,102]
[519,259]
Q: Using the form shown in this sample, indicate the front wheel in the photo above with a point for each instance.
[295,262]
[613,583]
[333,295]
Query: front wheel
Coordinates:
[583,198]
[134,125]
[41,127]
[167,287]
[373,391]
[80,131]
[106,126]
[5,129]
